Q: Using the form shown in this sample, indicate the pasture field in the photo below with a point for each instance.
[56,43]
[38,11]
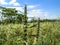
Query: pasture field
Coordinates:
[12,34]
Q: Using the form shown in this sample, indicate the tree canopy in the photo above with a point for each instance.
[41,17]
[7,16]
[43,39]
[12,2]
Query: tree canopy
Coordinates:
[11,14]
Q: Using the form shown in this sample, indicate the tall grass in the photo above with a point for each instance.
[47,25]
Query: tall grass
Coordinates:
[12,34]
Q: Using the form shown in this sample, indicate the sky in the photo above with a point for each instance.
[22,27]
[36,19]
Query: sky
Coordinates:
[45,9]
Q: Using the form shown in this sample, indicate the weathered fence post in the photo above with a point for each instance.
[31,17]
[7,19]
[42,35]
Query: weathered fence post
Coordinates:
[38,29]
[25,25]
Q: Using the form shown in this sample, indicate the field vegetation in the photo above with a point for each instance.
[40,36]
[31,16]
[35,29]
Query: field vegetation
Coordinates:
[16,30]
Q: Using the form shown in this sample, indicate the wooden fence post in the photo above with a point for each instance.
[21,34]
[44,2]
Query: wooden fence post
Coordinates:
[25,25]
[38,29]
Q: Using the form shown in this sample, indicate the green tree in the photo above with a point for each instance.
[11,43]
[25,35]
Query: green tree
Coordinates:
[9,13]
[12,15]
[19,18]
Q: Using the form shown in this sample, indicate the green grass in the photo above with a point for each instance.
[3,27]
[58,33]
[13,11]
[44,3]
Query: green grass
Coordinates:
[12,34]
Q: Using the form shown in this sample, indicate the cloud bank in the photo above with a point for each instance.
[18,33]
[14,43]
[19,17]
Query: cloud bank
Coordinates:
[33,10]
[12,2]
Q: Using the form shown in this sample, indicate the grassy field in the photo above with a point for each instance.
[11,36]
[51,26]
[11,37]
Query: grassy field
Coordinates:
[12,34]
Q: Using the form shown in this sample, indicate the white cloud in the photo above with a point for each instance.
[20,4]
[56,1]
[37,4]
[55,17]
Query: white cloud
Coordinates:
[33,13]
[2,2]
[14,2]
[31,6]
[42,14]
[19,9]
[36,13]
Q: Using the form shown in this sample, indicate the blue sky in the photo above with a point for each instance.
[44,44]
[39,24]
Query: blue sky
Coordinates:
[36,8]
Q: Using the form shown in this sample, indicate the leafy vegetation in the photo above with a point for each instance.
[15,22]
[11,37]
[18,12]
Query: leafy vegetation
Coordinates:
[21,32]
